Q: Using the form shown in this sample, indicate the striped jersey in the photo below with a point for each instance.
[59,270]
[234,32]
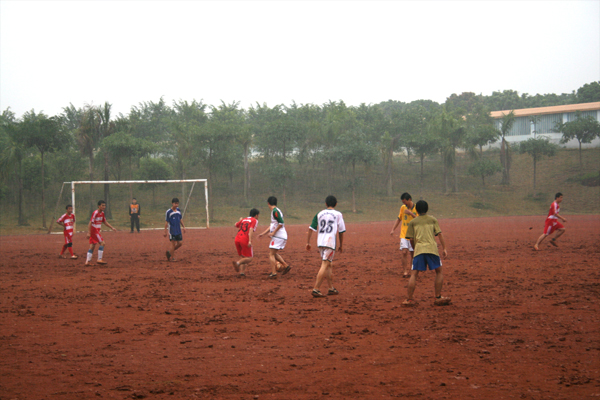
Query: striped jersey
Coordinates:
[97,219]
[68,221]
[277,219]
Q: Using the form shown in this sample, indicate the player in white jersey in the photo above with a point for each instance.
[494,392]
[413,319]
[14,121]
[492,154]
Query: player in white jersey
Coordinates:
[328,224]
[278,236]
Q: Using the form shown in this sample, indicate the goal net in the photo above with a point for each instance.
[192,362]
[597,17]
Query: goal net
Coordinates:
[153,196]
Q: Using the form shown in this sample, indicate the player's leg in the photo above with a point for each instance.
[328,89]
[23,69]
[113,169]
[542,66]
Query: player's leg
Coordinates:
[539,241]
[137,224]
[412,284]
[90,252]
[322,274]
[560,229]
[132,223]
[101,253]
[273,261]
[439,281]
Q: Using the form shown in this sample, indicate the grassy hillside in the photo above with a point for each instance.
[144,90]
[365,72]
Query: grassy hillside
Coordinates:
[305,195]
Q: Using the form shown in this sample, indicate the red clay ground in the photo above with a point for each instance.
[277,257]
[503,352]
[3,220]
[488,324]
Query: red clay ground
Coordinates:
[523,325]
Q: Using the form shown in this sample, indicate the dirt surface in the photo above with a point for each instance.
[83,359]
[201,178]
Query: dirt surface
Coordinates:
[523,324]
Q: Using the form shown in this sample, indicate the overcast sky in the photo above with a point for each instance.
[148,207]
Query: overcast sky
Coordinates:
[53,53]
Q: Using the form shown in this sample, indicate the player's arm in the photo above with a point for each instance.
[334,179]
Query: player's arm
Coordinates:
[182,225]
[341,235]
[237,224]
[279,226]
[396,223]
[250,233]
[308,236]
[443,243]
[265,232]
[166,228]
[561,217]
[89,232]
[109,225]
[407,211]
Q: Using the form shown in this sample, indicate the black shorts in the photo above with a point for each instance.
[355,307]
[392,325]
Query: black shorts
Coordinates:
[176,238]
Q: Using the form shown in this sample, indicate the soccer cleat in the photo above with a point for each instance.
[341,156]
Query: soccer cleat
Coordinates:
[272,276]
[332,292]
[442,301]
[316,293]
[286,270]
[101,262]
[74,257]
[168,256]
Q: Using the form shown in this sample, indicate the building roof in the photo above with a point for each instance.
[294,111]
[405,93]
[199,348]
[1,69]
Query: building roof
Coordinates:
[569,108]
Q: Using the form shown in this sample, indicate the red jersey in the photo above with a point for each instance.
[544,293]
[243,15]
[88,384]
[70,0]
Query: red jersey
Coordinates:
[554,209]
[68,221]
[97,219]
[245,225]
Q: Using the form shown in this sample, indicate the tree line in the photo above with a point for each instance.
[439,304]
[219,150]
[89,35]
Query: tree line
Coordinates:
[156,140]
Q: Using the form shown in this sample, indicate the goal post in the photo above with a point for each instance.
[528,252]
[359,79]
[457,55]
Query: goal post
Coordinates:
[193,181]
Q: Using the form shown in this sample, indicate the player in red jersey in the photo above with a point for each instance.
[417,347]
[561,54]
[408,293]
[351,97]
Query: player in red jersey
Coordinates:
[67,221]
[243,241]
[552,223]
[94,232]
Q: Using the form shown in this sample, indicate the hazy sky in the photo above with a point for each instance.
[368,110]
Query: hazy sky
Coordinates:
[53,53]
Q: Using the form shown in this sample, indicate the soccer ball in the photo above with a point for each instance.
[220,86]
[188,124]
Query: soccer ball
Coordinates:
[279,266]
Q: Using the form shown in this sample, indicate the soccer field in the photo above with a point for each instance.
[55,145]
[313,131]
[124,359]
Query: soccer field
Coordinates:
[523,324]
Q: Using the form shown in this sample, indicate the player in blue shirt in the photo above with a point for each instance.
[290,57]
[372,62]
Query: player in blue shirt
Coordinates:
[173,225]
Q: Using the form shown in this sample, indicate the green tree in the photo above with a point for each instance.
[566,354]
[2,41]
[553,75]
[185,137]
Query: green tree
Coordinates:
[537,148]
[588,93]
[45,134]
[13,151]
[88,138]
[506,122]
[106,128]
[583,128]
[484,167]
[153,169]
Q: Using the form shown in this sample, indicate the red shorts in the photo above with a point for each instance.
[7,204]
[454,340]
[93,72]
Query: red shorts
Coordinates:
[68,236]
[243,249]
[95,237]
[552,225]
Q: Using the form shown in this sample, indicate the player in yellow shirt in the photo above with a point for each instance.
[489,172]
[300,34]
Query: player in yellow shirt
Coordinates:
[406,214]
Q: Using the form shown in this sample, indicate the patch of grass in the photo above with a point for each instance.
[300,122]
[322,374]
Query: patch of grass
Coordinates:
[590,179]
[539,197]
[481,205]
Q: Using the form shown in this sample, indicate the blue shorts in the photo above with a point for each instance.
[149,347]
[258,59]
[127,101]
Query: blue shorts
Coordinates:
[422,261]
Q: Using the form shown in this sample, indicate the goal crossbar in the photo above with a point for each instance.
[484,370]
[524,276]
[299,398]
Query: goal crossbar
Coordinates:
[73,183]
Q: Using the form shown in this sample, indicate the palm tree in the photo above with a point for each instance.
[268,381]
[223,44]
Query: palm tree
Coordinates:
[88,138]
[107,128]
[507,123]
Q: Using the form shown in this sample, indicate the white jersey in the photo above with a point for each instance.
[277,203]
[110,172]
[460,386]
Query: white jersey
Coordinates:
[328,223]
[277,219]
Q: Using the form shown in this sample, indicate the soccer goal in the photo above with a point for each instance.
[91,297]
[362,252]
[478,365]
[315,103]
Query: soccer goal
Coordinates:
[82,195]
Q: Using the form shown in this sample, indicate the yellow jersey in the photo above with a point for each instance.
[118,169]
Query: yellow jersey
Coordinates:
[406,218]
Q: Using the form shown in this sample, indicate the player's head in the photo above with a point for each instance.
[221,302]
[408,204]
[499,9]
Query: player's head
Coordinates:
[557,195]
[175,201]
[272,201]
[331,201]
[100,202]
[254,213]
[406,198]
[134,200]
[69,206]
[422,207]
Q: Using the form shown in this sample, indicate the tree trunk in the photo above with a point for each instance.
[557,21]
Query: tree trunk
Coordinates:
[246,175]
[455,187]
[353,187]
[422,159]
[22,220]
[43,198]
[534,170]
[91,166]
[107,188]
[390,165]
[505,161]
[580,159]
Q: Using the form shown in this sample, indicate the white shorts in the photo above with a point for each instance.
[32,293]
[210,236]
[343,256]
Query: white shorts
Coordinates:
[405,244]
[327,253]
[277,243]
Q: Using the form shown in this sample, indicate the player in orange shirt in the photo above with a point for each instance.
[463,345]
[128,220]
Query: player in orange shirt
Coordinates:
[406,214]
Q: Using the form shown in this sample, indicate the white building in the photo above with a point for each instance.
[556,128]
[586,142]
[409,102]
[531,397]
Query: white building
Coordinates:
[533,122]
